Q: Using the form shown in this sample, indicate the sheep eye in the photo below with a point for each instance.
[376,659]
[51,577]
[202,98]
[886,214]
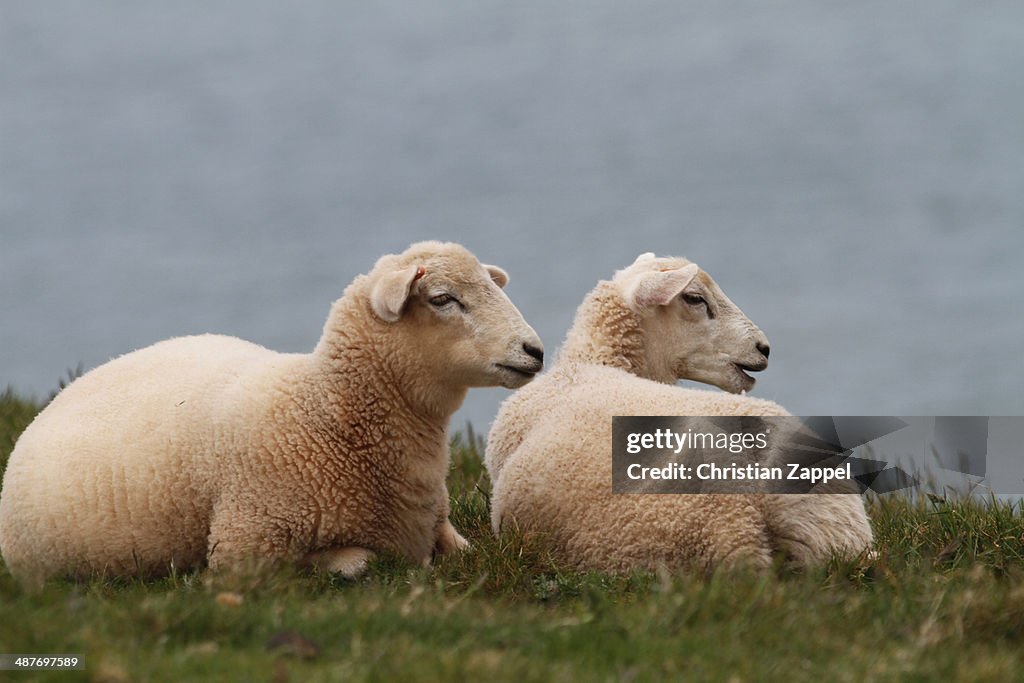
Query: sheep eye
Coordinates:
[698,300]
[441,300]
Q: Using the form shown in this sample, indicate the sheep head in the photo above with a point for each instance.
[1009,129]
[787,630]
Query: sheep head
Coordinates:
[691,330]
[456,319]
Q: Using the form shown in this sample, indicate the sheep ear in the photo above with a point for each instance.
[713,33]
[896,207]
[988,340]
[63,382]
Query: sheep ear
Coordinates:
[499,276]
[660,287]
[391,291]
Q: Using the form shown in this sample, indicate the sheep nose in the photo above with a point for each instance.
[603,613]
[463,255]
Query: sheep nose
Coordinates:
[764,349]
[533,351]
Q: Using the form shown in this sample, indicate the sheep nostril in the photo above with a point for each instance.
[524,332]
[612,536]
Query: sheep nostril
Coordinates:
[764,349]
[534,352]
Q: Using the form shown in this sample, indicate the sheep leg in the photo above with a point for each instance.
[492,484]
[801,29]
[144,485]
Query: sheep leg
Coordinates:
[809,529]
[448,539]
[350,562]
[244,539]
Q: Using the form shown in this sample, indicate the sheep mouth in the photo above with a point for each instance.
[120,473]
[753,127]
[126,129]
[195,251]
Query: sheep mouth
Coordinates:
[518,372]
[742,369]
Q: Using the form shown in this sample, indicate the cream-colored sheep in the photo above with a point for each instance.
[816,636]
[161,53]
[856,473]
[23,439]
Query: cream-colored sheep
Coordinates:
[549,449]
[213,448]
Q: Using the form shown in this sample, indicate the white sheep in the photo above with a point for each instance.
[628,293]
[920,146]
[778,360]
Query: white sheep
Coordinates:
[549,449]
[212,448]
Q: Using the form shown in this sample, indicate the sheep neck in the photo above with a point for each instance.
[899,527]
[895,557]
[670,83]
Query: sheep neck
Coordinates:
[607,332]
[364,363]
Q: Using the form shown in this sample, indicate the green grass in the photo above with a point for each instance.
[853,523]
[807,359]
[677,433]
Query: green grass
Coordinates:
[944,600]
[15,414]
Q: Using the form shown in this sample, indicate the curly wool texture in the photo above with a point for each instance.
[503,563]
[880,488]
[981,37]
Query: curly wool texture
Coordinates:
[213,448]
[549,456]
[607,333]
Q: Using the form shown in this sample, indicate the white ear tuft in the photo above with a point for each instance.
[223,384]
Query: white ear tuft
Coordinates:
[646,256]
[391,291]
[658,288]
[499,276]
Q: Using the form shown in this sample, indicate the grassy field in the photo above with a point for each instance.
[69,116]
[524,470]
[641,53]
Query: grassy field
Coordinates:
[943,600]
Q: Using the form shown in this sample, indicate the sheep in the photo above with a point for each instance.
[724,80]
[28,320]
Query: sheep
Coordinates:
[210,448]
[549,448]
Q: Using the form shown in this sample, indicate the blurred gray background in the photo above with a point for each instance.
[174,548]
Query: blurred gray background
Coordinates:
[852,174]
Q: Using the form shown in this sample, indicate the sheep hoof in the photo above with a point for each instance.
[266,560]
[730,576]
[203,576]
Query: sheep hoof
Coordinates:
[349,562]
